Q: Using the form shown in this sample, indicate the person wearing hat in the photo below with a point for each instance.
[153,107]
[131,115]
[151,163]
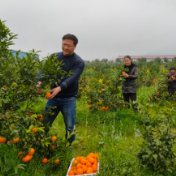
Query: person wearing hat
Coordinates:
[172,80]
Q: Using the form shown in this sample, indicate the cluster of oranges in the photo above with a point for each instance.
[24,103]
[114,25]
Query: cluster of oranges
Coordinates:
[29,155]
[105,108]
[81,165]
[13,141]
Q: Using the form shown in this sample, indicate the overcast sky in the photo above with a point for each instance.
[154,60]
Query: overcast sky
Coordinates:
[105,28]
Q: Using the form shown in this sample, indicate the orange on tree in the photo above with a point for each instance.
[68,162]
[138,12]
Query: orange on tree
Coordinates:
[123,105]
[56,161]
[80,88]
[102,90]
[14,141]
[2,140]
[44,160]
[19,154]
[53,146]
[30,113]
[27,158]
[89,106]
[34,130]
[32,151]
[41,118]
[48,94]
[53,138]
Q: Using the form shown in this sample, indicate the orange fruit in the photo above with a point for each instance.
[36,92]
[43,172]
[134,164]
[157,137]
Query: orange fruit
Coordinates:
[44,160]
[123,105]
[83,161]
[91,160]
[47,94]
[54,138]
[79,171]
[85,89]
[19,154]
[102,90]
[27,158]
[53,146]
[56,161]
[96,156]
[80,88]
[71,172]
[94,167]
[34,130]
[14,141]
[89,106]
[6,88]
[75,162]
[84,168]
[79,165]
[2,140]
[103,108]
[31,152]
[151,98]
[123,73]
[88,164]
[41,118]
[30,113]
[82,85]
[77,158]
[88,156]
[89,170]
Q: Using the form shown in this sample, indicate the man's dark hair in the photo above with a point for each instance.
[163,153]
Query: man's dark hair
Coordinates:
[71,37]
[127,56]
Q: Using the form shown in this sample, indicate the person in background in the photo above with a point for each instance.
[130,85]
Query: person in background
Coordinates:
[129,87]
[63,96]
[172,81]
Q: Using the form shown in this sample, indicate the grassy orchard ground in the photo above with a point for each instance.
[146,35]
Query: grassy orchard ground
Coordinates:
[110,134]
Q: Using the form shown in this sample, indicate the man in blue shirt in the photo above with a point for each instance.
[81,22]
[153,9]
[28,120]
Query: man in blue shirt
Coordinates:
[63,95]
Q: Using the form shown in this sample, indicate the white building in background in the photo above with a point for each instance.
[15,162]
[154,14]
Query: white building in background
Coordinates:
[150,57]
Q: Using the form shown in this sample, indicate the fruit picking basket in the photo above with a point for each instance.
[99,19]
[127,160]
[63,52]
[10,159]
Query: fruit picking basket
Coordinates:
[83,174]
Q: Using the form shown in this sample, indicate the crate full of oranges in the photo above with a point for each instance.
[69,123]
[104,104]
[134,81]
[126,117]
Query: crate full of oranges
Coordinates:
[88,166]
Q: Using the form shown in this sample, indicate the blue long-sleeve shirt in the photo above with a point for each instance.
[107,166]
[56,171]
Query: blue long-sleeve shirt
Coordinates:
[69,85]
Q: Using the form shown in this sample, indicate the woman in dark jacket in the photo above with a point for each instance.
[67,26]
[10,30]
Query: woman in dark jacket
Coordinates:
[129,87]
[172,81]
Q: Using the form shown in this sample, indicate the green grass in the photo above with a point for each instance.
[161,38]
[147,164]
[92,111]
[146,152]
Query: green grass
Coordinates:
[110,134]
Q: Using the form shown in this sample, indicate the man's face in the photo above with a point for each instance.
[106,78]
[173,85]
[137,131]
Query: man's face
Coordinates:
[68,47]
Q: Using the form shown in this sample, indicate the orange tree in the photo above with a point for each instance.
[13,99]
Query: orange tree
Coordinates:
[104,92]
[19,96]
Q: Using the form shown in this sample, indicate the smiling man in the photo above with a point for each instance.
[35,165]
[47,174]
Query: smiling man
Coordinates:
[63,95]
